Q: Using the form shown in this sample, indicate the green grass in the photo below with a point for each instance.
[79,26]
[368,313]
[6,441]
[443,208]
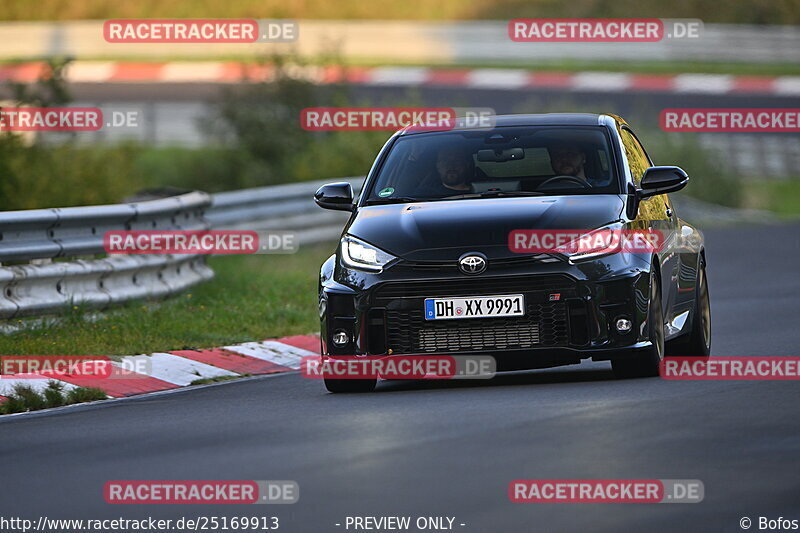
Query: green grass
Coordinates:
[24,398]
[207,381]
[567,65]
[741,11]
[649,67]
[563,65]
[575,65]
[252,298]
[72,175]
[779,196]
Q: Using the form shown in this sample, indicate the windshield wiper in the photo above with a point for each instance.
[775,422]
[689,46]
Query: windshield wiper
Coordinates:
[395,200]
[493,194]
[486,194]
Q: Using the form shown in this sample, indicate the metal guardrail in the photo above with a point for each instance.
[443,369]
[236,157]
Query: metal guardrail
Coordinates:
[280,207]
[47,256]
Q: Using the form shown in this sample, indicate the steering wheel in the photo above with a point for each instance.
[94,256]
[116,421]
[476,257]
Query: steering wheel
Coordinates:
[574,179]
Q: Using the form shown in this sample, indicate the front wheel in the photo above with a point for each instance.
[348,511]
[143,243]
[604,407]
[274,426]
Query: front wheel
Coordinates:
[646,363]
[350,385]
[698,342]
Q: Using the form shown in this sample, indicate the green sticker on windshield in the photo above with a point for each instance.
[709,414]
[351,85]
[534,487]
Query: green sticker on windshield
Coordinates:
[386,192]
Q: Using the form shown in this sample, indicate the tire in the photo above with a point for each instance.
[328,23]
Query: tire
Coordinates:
[698,342]
[350,385]
[646,363]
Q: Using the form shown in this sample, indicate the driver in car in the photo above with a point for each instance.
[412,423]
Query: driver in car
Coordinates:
[567,160]
[454,168]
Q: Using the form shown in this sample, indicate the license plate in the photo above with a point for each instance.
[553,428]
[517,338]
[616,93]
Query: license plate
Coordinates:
[475,307]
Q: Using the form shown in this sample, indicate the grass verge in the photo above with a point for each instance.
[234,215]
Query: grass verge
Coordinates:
[206,381]
[560,65]
[252,297]
[737,11]
[71,175]
[24,398]
[575,65]
[782,197]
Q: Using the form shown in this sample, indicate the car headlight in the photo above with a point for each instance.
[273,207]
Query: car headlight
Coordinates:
[363,256]
[593,244]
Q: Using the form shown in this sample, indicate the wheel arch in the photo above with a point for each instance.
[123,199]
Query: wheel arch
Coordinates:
[655,266]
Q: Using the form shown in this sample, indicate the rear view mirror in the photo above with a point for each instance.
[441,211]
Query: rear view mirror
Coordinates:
[662,180]
[500,156]
[338,196]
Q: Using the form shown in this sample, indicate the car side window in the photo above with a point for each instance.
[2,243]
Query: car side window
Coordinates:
[637,157]
[639,162]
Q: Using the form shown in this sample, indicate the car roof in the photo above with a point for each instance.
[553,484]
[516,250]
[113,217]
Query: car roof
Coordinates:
[540,119]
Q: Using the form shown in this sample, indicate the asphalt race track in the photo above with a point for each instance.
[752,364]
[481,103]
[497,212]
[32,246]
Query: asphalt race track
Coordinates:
[451,449]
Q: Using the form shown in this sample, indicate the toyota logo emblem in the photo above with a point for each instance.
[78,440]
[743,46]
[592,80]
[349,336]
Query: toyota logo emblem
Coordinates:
[472,263]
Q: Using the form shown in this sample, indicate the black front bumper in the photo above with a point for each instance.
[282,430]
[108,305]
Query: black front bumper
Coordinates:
[569,316]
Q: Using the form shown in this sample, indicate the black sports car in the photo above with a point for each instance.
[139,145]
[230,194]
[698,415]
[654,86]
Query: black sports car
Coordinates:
[432,244]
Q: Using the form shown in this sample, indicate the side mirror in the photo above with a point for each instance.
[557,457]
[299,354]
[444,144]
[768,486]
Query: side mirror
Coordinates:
[662,180]
[338,196]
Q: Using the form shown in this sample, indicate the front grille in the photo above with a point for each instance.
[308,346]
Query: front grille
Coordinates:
[452,265]
[474,286]
[545,324]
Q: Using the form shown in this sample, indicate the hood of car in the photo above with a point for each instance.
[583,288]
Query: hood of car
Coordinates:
[444,230]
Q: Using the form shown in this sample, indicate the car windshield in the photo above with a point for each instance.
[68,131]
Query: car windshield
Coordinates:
[509,161]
